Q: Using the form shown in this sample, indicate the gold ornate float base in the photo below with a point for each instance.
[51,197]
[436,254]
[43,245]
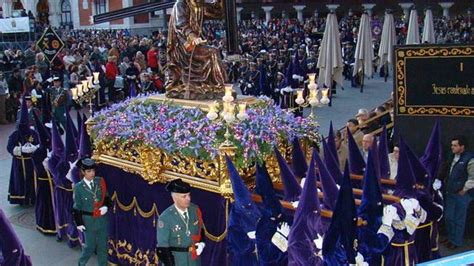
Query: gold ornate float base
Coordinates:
[154,165]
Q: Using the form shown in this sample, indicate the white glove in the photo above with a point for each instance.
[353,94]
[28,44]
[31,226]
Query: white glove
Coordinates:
[17,151]
[251,234]
[416,204]
[249,85]
[103,210]
[81,228]
[295,204]
[28,148]
[407,205]
[199,247]
[71,168]
[318,242]
[437,184]
[360,260]
[389,214]
[303,180]
[284,229]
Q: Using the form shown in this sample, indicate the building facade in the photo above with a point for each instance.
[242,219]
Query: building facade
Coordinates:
[78,14]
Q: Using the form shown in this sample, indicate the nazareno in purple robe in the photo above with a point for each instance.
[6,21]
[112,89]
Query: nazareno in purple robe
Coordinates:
[63,203]
[12,252]
[44,209]
[21,189]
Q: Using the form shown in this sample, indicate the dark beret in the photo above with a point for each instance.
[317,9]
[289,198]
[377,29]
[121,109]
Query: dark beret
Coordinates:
[86,163]
[178,186]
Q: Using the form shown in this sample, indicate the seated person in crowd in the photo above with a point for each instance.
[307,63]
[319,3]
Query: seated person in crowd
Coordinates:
[353,126]
[342,150]
[367,142]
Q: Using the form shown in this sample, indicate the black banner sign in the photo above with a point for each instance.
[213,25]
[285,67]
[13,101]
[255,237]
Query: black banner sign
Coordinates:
[50,44]
[434,80]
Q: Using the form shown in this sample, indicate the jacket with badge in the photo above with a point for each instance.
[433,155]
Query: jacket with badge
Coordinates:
[87,202]
[174,233]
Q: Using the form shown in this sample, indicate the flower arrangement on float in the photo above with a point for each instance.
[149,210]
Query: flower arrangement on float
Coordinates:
[190,132]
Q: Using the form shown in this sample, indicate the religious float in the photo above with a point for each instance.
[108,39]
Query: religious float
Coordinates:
[144,142]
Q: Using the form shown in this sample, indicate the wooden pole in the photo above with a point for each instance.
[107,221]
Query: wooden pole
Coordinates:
[231,27]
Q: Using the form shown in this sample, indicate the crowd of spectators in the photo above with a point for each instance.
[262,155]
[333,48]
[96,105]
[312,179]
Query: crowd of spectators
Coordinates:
[131,64]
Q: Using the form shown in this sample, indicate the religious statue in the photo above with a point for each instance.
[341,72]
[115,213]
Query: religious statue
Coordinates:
[42,9]
[195,70]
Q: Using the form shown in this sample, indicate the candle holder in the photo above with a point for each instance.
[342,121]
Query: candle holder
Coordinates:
[228,114]
[85,91]
[312,100]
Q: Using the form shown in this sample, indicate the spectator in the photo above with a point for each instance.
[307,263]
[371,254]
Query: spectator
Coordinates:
[367,142]
[42,66]
[153,58]
[352,125]
[342,150]
[3,99]
[111,71]
[393,160]
[459,190]
[30,55]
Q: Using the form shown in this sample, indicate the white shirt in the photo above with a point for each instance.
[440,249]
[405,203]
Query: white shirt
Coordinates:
[393,166]
[455,160]
[89,183]
[181,212]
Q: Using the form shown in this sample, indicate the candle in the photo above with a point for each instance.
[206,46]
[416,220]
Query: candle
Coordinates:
[242,107]
[299,94]
[212,108]
[228,93]
[299,97]
[313,94]
[212,114]
[242,115]
[228,90]
[325,99]
[79,90]
[74,93]
[84,86]
[96,77]
[89,81]
[325,92]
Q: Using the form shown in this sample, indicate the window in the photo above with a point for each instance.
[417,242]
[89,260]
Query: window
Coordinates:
[100,6]
[66,18]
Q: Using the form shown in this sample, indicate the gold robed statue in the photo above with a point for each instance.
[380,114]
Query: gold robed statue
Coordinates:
[194,69]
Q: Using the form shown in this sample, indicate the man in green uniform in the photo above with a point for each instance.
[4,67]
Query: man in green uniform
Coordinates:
[58,98]
[179,228]
[90,208]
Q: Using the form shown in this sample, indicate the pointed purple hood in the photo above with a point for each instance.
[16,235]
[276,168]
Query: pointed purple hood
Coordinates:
[291,187]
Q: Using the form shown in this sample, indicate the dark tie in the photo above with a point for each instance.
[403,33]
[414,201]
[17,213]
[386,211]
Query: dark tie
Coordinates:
[185,215]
